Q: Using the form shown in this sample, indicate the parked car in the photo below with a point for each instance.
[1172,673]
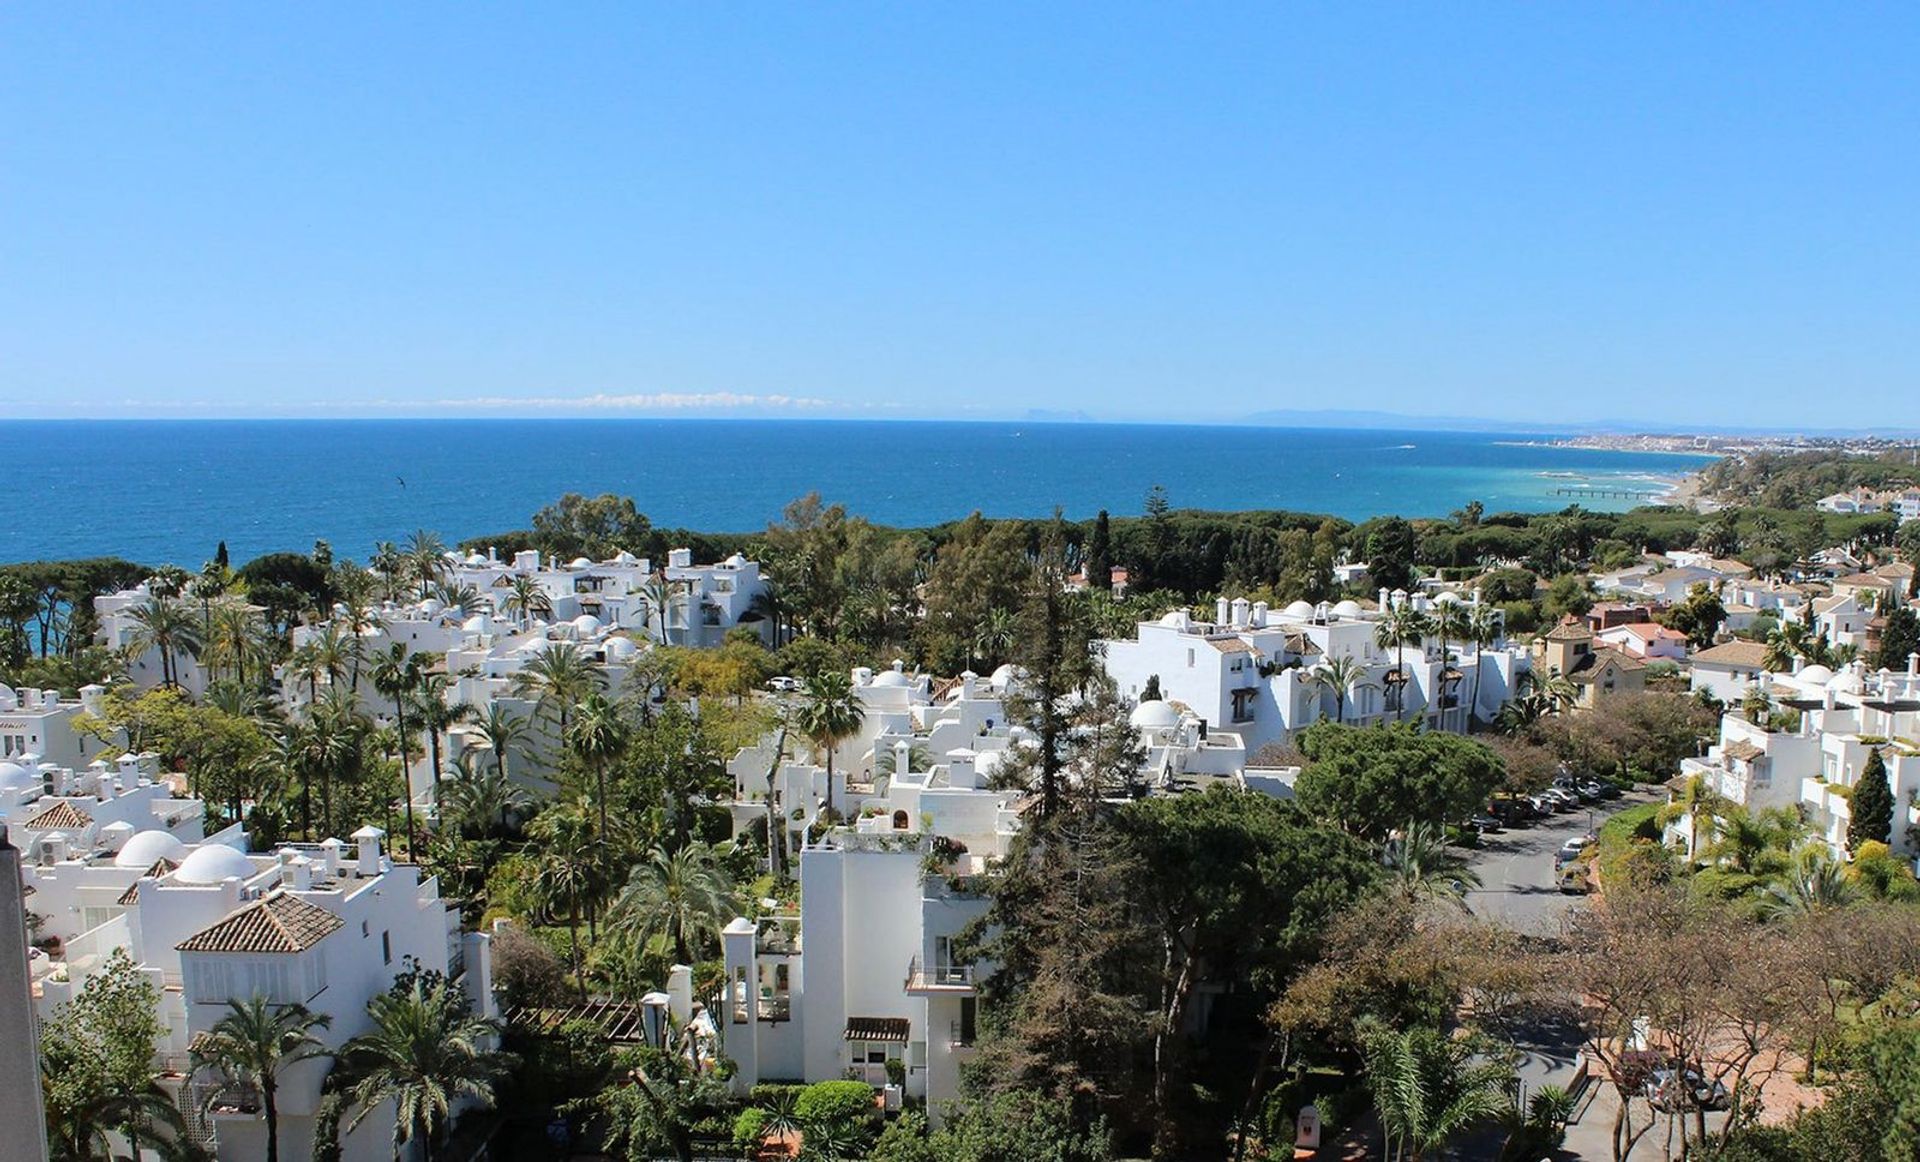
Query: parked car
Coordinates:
[1671,1089]
[1593,790]
[1571,849]
[1573,880]
[783,685]
[1559,800]
[1485,824]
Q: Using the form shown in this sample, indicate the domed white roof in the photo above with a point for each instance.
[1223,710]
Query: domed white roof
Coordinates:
[1448,598]
[1175,619]
[475,560]
[1300,609]
[736,561]
[14,777]
[475,624]
[1347,609]
[147,848]
[624,558]
[621,648]
[213,862]
[1815,675]
[1003,677]
[579,563]
[892,679]
[1154,714]
[587,623]
[1846,681]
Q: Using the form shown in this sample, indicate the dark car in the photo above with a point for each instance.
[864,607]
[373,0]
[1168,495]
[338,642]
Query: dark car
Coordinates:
[1485,824]
[1670,1089]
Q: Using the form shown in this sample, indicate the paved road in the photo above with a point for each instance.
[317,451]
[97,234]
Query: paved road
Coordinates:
[1518,886]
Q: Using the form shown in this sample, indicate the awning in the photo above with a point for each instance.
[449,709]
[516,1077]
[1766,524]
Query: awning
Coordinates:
[877,1029]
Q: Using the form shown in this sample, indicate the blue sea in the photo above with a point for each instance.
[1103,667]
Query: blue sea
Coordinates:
[170,490]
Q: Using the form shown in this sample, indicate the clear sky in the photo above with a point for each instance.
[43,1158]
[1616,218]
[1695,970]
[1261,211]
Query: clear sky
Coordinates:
[1664,213]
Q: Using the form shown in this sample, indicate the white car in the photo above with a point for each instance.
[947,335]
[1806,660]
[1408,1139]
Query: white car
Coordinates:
[783,685]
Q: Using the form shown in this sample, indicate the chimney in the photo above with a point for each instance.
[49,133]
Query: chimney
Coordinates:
[902,758]
[330,857]
[969,685]
[679,558]
[960,771]
[680,992]
[368,838]
[653,1018]
[1386,598]
[1240,609]
[1220,611]
[1259,615]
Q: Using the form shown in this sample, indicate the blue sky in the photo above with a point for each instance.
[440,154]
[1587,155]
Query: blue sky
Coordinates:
[1672,215]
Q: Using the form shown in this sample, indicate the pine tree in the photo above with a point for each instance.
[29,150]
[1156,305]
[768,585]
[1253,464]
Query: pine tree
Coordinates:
[1872,815]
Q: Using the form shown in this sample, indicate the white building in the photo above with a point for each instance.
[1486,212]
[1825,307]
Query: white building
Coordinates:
[40,723]
[1728,669]
[318,925]
[1251,670]
[1646,640]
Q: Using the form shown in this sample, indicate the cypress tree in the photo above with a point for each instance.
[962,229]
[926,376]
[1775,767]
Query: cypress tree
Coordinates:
[1872,807]
[1100,554]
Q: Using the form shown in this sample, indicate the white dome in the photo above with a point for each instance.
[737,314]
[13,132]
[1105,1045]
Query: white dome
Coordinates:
[475,560]
[579,563]
[1347,609]
[621,648]
[624,558]
[587,623]
[14,777]
[736,561]
[1815,675]
[1299,610]
[1154,714]
[1845,682]
[147,848]
[212,863]
[1176,619]
[1447,598]
[475,624]
[1003,677]
[892,679]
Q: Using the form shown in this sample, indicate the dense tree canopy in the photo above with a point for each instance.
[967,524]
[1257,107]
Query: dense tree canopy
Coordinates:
[1370,781]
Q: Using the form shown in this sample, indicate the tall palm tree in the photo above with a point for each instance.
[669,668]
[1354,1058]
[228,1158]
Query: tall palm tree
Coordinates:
[1483,629]
[654,597]
[484,800]
[336,742]
[1421,866]
[1697,802]
[772,605]
[161,624]
[1399,626]
[425,1052]
[506,733]
[391,565]
[598,737]
[144,1112]
[1338,676]
[437,715]
[829,713]
[252,1043]
[1428,1088]
[678,901]
[526,598]
[559,678]
[566,872]
[397,674]
[426,554]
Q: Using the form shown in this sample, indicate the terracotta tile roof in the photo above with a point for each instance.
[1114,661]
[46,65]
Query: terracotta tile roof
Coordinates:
[1570,629]
[878,1029]
[1231,645]
[1741,749]
[61,816]
[131,896]
[1750,655]
[1299,643]
[275,923]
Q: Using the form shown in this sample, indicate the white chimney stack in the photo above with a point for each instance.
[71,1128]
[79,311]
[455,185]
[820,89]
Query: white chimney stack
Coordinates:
[680,992]
[330,856]
[1220,611]
[960,770]
[368,838]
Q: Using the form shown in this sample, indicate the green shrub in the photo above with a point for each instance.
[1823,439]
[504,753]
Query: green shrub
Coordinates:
[747,1127]
[826,1102]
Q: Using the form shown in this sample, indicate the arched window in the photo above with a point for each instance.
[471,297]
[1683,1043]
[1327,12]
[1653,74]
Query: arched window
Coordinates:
[899,820]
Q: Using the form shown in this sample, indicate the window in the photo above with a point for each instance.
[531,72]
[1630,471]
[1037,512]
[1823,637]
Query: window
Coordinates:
[386,948]
[284,980]
[1189,659]
[968,1023]
[1243,704]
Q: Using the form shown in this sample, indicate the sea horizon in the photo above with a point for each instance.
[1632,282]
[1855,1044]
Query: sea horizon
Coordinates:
[159,490]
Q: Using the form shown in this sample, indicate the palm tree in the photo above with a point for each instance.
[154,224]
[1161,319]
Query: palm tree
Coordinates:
[397,675]
[481,800]
[829,712]
[1429,1087]
[336,741]
[1399,626]
[1696,801]
[1817,883]
[144,1112]
[232,638]
[505,732]
[425,1053]
[391,565]
[426,553]
[598,738]
[679,901]
[526,598]
[770,604]
[565,873]
[161,624]
[1483,629]
[998,632]
[1338,676]
[437,715]
[654,598]
[252,1043]
[559,678]
[456,595]
[1421,866]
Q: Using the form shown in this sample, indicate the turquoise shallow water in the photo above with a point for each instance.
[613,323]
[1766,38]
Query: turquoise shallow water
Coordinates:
[161,491]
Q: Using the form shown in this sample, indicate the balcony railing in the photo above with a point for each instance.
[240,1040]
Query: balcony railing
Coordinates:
[939,977]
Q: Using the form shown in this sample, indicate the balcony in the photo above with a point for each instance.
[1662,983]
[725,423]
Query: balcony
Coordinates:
[954,979]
